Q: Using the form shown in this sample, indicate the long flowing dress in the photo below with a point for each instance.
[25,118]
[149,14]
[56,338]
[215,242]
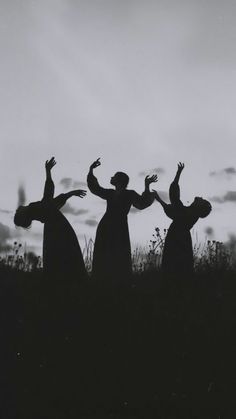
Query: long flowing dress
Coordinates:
[62,255]
[178,250]
[112,250]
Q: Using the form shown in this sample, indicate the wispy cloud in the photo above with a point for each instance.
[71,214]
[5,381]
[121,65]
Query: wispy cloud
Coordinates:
[4,211]
[79,184]
[68,182]
[158,170]
[209,231]
[91,222]
[229,196]
[227,172]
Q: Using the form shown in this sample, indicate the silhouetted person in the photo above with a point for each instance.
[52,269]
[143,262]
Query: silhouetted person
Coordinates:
[178,250]
[112,251]
[61,251]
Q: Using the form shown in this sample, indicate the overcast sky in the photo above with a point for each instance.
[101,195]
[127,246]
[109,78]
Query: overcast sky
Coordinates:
[141,84]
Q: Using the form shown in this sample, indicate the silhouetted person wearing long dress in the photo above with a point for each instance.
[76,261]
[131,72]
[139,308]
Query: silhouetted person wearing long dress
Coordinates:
[62,255]
[112,250]
[178,251]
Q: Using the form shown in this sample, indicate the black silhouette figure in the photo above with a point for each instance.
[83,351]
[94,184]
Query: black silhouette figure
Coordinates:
[61,251]
[112,251]
[178,250]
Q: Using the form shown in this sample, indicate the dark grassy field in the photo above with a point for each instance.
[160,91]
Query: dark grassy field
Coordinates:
[149,347]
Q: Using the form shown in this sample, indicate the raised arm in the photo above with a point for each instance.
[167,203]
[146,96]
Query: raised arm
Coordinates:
[166,207]
[174,190]
[93,184]
[146,199]
[49,185]
[61,199]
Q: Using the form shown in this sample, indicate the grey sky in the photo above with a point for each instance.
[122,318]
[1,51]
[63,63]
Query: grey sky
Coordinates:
[140,84]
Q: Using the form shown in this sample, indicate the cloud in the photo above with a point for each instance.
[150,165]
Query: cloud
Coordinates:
[227,172]
[5,235]
[4,211]
[229,196]
[68,182]
[91,222]
[158,170]
[68,209]
[79,184]
[230,171]
[133,210]
[21,195]
[209,231]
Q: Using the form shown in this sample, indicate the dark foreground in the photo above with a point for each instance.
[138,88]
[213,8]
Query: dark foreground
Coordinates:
[152,349]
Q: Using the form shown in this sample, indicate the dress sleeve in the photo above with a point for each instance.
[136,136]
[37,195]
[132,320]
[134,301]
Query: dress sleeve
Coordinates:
[169,211]
[95,188]
[49,189]
[142,201]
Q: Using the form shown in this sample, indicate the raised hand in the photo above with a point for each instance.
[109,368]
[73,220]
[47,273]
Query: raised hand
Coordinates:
[50,163]
[80,193]
[150,179]
[95,164]
[180,167]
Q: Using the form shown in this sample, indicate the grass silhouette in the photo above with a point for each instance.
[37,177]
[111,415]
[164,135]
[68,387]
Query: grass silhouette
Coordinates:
[150,346]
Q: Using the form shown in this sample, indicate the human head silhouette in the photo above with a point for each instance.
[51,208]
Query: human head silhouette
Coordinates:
[201,206]
[120,180]
[23,217]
